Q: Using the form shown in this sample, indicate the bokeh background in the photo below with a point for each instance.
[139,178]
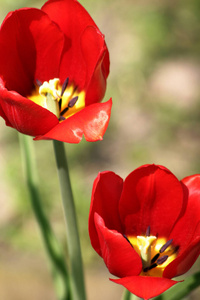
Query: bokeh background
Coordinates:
[154,82]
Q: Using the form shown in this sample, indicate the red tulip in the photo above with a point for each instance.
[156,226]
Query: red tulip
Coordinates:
[53,69]
[147,228]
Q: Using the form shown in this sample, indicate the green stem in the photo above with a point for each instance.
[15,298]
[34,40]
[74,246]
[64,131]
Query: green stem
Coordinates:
[182,289]
[129,296]
[53,251]
[74,249]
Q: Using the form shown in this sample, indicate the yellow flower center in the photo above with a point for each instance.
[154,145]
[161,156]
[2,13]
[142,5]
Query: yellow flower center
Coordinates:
[63,101]
[156,253]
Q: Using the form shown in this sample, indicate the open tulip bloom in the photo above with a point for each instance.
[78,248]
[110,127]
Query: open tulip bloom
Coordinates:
[53,69]
[146,228]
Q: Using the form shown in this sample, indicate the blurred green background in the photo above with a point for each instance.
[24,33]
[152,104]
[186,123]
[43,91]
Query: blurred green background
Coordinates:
[154,82]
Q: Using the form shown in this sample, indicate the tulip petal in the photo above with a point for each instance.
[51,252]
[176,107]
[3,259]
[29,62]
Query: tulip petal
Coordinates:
[148,196]
[96,57]
[30,48]
[24,115]
[145,287]
[92,121]
[86,58]
[119,256]
[106,193]
[185,260]
[184,230]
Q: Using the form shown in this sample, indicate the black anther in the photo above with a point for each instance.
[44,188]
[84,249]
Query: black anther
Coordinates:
[165,246]
[162,259]
[64,86]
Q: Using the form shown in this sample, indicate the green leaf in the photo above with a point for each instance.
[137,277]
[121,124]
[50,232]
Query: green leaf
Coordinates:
[181,290]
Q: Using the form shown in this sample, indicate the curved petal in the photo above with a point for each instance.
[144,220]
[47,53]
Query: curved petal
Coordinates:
[185,260]
[152,196]
[92,121]
[96,57]
[30,48]
[106,193]
[86,59]
[118,254]
[146,287]
[24,115]
[184,231]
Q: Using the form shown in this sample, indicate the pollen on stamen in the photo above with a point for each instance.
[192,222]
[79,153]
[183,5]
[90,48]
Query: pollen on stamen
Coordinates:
[148,231]
[61,118]
[38,82]
[64,86]
[162,259]
[72,102]
[165,246]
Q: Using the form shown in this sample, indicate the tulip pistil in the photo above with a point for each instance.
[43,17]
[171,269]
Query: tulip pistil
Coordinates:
[62,100]
[145,245]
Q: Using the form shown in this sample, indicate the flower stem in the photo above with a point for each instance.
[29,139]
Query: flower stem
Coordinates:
[75,259]
[129,296]
[53,250]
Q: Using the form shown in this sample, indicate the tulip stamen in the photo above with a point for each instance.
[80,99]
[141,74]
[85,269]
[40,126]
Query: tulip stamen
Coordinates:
[64,86]
[38,82]
[71,103]
[165,246]
[162,259]
[150,267]
[62,100]
[156,253]
[148,231]
[64,111]
[60,104]
[154,259]
[158,260]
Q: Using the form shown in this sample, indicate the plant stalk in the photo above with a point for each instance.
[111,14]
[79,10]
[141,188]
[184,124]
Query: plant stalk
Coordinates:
[54,253]
[77,286]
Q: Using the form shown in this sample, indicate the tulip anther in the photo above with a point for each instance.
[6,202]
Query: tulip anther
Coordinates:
[153,260]
[162,259]
[64,86]
[148,231]
[165,246]
[62,100]
[155,252]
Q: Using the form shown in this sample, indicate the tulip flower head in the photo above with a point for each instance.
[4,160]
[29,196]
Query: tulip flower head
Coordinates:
[54,64]
[146,228]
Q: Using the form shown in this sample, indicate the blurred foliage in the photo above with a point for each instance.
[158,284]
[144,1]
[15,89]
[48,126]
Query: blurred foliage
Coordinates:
[154,82]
